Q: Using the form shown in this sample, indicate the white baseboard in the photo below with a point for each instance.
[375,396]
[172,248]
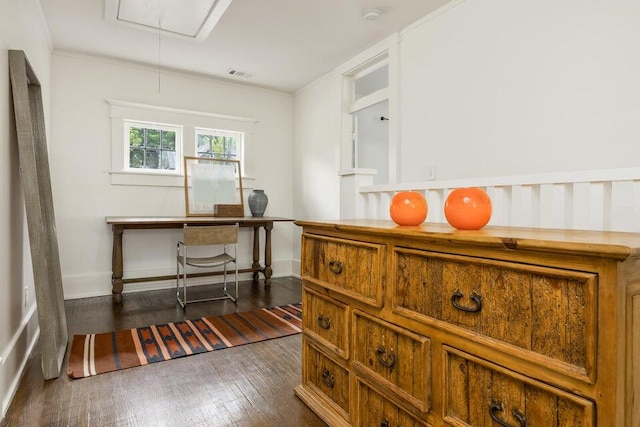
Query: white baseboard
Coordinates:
[99,284]
[13,359]
[295,268]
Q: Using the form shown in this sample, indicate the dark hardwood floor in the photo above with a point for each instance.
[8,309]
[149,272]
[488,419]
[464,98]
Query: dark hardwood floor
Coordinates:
[250,385]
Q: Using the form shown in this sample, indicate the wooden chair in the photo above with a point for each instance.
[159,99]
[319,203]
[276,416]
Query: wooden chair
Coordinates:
[212,236]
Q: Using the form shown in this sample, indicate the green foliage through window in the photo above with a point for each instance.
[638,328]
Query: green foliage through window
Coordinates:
[152,148]
[218,145]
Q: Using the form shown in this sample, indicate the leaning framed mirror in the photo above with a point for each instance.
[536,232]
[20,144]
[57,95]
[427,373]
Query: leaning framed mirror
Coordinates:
[213,187]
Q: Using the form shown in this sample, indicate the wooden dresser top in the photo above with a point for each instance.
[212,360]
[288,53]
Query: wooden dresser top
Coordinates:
[606,244]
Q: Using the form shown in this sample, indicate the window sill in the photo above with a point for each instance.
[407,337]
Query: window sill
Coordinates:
[147,179]
[151,179]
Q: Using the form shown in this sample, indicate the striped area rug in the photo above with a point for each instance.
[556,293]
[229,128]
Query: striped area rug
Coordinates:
[95,354]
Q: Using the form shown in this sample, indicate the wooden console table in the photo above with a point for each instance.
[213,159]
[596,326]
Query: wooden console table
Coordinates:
[119,224]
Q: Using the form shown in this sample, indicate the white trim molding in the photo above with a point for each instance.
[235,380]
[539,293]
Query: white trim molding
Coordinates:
[137,105]
[188,120]
[15,356]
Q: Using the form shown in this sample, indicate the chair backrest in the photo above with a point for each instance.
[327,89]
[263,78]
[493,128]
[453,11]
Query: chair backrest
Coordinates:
[210,235]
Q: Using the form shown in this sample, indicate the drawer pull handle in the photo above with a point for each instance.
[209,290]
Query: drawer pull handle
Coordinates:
[497,407]
[335,267]
[477,299]
[324,322]
[384,423]
[386,360]
[327,378]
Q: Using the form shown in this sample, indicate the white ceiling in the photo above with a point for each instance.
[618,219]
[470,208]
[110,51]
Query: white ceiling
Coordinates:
[283,44]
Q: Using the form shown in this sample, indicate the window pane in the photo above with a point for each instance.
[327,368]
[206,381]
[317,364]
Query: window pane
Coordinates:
[232,147]
[219,145]
[136,158]
[153,146]
[136,137]
[153,138]
[168,139]
[168,160]
[369,83]
[153,159]
[204,143]
[372,144]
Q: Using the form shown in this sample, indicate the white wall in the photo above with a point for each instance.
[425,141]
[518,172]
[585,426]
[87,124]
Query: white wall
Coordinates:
[81,163]
[317,134]
[491,88]
[316,159]
[21,28]
[497,87]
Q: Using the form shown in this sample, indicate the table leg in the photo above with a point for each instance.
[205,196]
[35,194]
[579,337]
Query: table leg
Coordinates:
[116,264]
[256,254]
[267,254]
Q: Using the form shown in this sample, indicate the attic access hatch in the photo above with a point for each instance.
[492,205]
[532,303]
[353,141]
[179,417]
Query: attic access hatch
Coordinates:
[186,19]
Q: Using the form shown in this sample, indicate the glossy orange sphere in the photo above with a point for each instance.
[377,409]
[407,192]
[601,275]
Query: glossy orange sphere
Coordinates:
[468,208]
[408,208]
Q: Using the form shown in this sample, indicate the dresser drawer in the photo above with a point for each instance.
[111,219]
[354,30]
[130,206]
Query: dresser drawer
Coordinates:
[394,357]
[376,410]
[326,378]
[326,321]
[550,312]
[345,266]
[477,392]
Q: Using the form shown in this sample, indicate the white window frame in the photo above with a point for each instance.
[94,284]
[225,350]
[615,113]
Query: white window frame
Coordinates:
[384,53]
[223,132]
[128,124]
[189,121]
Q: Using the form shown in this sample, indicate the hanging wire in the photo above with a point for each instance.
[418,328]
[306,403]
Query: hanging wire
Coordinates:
[159,32]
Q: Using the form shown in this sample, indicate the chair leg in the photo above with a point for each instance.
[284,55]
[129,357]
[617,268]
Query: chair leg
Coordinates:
[184,285]
[226,289]
[224,280]
[235,263]
[182,301]
[178,277]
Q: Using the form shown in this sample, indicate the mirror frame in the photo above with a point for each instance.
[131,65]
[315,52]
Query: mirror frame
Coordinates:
[38,198]
[208,208]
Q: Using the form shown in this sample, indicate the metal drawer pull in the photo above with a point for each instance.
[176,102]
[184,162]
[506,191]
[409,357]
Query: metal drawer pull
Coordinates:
[385,360]
[477,299]
[384,423]
[324,322]
[497,407]
[327,378]
[335,267]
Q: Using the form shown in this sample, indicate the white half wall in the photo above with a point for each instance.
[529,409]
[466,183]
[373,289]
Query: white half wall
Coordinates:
[81,164]
[21,28]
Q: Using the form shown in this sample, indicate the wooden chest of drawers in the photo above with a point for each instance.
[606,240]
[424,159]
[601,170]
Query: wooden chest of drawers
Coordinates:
[429,326]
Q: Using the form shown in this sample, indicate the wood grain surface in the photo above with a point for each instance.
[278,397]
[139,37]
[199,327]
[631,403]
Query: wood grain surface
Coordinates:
[245,386]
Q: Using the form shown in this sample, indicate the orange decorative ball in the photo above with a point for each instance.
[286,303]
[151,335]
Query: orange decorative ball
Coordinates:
[468,208]
[408,208]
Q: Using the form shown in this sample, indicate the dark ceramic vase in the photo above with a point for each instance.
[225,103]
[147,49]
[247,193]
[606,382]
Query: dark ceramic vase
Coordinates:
[258,202]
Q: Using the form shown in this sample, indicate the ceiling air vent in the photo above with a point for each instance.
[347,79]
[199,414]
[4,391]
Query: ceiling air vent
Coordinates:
[239,73]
